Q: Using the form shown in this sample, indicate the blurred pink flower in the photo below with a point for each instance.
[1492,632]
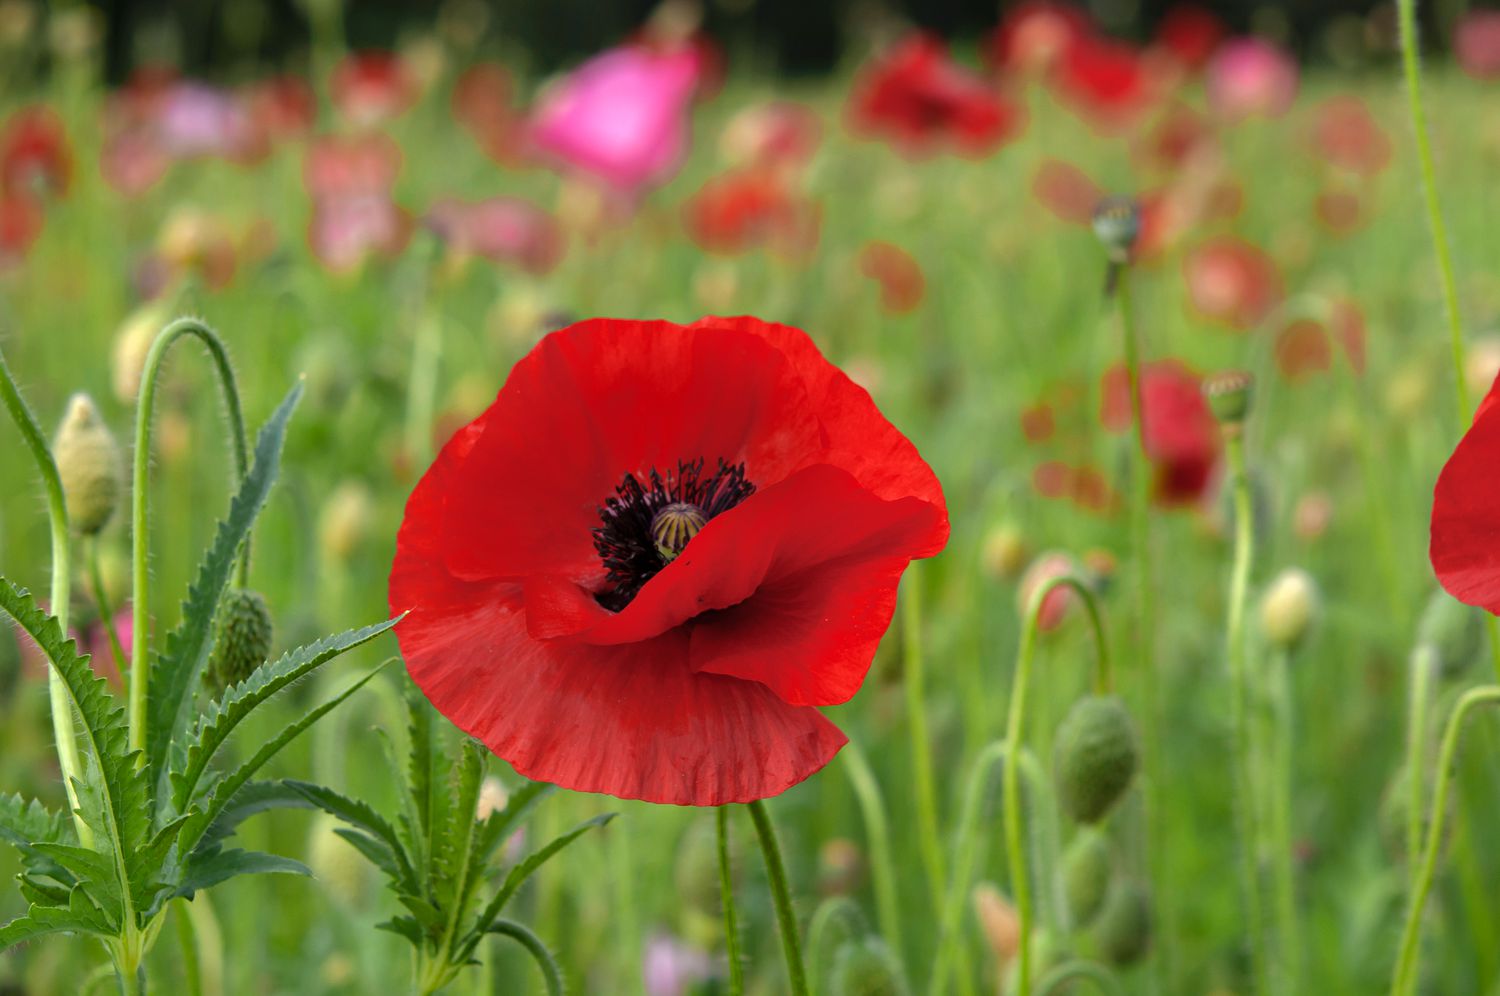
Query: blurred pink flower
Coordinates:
[1476,44]
[1250,76]
[94,641]
[345,231]
[672,967]
[195,119]
[362,165]
[621,117]
[503,229]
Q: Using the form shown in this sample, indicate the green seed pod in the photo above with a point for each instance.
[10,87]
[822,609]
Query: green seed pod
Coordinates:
[1087,868]
[88,461]
[1095,756]
[1117,224]
[1123,931]
[1229,394]
[1453,631]
[243,640]
[866,968]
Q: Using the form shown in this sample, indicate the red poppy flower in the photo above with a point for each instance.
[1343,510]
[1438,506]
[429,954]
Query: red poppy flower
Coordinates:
[1231,281]
[1465,545]
[748,209]
[35,158]
[1106,80]
[1034,35]
[1038,423]
[902,284]
[1190,34]
[1174,139]
[370,88]
[1476,43]
[1345,134]
[1302,348]
[646,565]
[1066,191]
[1182,436]
[921,100]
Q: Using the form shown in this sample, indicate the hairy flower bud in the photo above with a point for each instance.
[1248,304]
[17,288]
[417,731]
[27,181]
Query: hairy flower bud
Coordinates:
[243,639]
[1453,632]
[88,461]
[1087,869]
[345,521]
[1123,932]
[1095,756]
[1003,554]
[1289,608]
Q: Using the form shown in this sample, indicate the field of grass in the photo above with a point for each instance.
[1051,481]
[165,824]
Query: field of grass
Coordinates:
[400,352]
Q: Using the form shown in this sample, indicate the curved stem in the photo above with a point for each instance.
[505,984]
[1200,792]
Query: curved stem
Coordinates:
[522,935]
[883,874]
[63,730]
[1405,979]
[1053,981]
[140,650]
[101,601]
[731,921]
[1244,808]
[781,895]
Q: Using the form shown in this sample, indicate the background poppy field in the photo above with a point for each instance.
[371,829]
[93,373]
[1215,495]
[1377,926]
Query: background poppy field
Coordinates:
[400,227]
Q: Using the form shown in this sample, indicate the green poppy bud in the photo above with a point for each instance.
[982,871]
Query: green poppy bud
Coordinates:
[1087,868]
[1228,394]
[243,640]
[1453,630]
[1123,931]
[1095,756]
[88,461]
[866,968]
[1289,608]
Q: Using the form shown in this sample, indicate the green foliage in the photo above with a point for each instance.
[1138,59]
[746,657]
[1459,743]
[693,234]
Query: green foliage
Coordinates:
[439,851]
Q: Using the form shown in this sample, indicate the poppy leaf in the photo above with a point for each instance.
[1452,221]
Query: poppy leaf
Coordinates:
[206,870]
[40,921]
[521,872]
[252,798]
[27,823]
[362,817]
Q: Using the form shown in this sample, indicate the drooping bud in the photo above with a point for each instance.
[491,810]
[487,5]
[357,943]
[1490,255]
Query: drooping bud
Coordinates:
[1229,394]
[866,968]
[1117,223]
[1087,869]
[1289,608]
[242,641]
[1453,632]
[673,526]
[88,461]
[1123,933]
[1095,756]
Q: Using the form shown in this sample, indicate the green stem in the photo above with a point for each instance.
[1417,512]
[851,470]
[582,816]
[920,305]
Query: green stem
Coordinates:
[1241,760]
[1288,929]
[731,921]
[1056,980]
[1405,979]
[1423,660]
[192,970]
[63,730]
[552,975]
[140,652]
[781,896]
[872,807]
[101,601]
[921,748]
[422,390]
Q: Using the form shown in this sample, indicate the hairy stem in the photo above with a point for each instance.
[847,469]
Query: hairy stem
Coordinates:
[731,920]
[882,867]
[1288,929]
[781,896]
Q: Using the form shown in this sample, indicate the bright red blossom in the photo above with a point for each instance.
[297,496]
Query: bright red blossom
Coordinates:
[751,208]
[1034,35]
[902,283]
[370,88]
[1190,34]
[544,618]
[35,158]
[1182,436]
[1465,541]
[1108,81]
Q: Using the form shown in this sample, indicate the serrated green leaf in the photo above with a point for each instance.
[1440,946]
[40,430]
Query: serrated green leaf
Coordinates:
[393,859]
[455,871]
[406,926]
[521,872]
[90,868]
[177,672]
[26,823]
[40,921]
[204,871]
[200,820]
[377,852]
[117,802]
[39,892]
[253,798]
[428,916]
[221,717]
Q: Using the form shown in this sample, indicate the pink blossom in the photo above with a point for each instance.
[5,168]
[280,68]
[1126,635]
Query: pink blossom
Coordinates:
[1250,76]
[621,117]
[1476,44]
[672,967]
[503,229]
[344,231]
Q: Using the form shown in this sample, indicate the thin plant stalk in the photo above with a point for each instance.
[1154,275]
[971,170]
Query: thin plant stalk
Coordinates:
[63,730]
[781,897]
[140,508]
[1405,979]
[882,867]
[1423,660]
[101,602]
[923,782]
[1241,755]
[1284,878]
[731,919]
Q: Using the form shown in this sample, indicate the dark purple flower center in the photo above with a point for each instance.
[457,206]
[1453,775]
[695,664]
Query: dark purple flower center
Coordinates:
[645,526]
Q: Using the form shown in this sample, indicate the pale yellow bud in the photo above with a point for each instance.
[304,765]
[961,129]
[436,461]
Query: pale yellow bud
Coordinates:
[88,461]
[492,797]
[132,343]
[1289,607]
[345,521]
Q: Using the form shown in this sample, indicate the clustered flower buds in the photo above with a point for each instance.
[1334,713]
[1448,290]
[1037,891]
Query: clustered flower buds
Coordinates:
[1096,755]
[88,461]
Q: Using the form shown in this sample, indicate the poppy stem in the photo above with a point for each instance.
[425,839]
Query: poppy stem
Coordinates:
[921,747]
[1405,979]
[64,732]
[101,602]
[1240,755]
[872,808]
[140,505]
[731,919]
[1280,815]
[781,896]
[1423,661]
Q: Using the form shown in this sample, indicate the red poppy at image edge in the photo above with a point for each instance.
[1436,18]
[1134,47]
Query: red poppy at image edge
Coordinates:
[703,687]
[1465,542]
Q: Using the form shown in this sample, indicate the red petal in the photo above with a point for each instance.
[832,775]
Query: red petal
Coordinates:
[1465,546]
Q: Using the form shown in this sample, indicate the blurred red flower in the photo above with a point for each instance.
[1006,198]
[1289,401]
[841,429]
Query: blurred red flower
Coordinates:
[920,100]
[482,102]
[343,232]
[751,208]
[1465,532]
[1302,349]
[1190,34]
[21,221]
[1066,191]
[1034,35]
[1476,43]
[646,565]
[502,229]
[902,284]
[1182,437]
[1345,134]
[1232,282]
[369,88]
[1250,77]
[1172,141]
[1060,600]
[1107,81]
[779,134]
[35,157]
[283,107]
[1341,212]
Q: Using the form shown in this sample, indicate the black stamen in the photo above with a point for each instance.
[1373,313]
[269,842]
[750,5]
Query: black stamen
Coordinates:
[625,542]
